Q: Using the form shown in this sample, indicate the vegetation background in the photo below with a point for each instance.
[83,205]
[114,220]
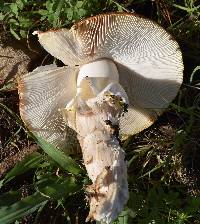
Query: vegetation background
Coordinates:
[40,184]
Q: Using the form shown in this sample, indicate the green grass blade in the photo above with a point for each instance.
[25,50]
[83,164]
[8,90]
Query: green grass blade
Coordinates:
[194,71]
[57,187]
[55,190]
[30,162]
[64,161]
[9,198]
[153,170]
[188,111]
[13,114]
[21,208]
[123,217]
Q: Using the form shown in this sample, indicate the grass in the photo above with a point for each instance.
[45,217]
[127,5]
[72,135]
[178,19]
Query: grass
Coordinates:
[47,186]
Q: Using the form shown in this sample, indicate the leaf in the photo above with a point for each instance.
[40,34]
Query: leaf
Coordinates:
[79,4]
[49,6]
[50,18]
[188,111]
[43,12]
[193,204]
[1,4]
[57,13]
[23,33]
[14,9]
[194,71]
[9,198]
[15,117]
[64,161]
[24,22]
[136,201]
[13,22]
[69,13]
[30,162]
[14,34]
[123,217]
[21,3]
[31,203]
[21,208]
[81,12]
[7,86]
[158,166]
[57,187]
[2,16]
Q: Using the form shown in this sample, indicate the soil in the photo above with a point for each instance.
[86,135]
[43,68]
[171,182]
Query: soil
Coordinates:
[15,144]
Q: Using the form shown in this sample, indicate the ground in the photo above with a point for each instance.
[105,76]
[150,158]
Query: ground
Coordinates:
[163,160]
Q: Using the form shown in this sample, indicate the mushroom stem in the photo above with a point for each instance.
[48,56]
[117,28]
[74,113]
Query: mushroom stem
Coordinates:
[103,157]
[108,171]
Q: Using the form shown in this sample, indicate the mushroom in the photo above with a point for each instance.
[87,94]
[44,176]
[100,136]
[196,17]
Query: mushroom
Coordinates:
[114,61]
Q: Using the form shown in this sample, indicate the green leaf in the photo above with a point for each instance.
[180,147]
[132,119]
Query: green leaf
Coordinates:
[23,33]
[56,190]
[13,22]
[6,86]
[1,4]
[194,71]
[2,16]
[25,22]
[15,117]
[57,13]
[79,4]
[50,18]
[157,167]
[193,204]
[21,208]
[81,12]
[57,187]
[30,162]
[43,12]
[9,198]
[64,161]
[49,6]
[69,13]
[14,34]
[21,3]
[14,9]
[123,217]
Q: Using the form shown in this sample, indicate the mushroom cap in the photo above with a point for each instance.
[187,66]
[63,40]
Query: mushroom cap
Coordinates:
[43,93]
[148,60]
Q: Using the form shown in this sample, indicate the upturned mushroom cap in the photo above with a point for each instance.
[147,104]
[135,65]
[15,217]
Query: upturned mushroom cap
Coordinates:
[43,92]
[148,60]
[113,60]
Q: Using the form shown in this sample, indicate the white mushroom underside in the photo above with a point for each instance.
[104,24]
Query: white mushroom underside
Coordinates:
[148,59]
